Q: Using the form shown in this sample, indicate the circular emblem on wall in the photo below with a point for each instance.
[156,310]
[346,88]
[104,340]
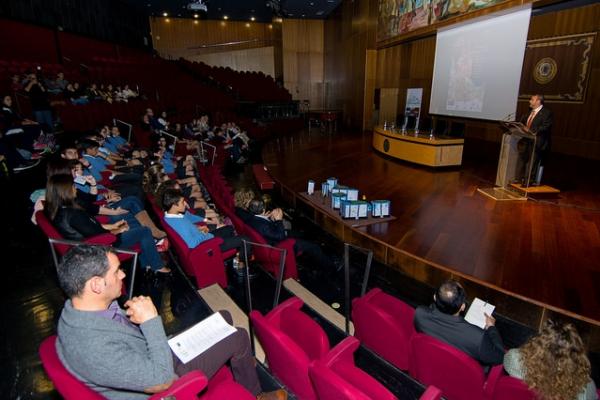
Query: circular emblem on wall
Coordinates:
[545,70]
[386,145]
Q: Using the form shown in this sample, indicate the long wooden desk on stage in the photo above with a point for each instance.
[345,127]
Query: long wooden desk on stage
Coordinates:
[419,149]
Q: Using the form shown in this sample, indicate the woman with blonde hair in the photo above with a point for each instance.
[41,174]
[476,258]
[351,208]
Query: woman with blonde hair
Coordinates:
[553,364]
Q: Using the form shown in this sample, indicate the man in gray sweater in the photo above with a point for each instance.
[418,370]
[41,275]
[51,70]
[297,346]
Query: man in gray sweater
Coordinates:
[124,354]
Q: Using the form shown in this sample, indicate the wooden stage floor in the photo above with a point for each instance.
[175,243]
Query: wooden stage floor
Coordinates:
[545,252]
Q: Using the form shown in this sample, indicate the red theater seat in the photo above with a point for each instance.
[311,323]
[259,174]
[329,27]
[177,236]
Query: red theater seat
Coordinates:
[500,386]
[185,388]
[291,340]
[384,324]
[434,362]
[264,180]
[335,377]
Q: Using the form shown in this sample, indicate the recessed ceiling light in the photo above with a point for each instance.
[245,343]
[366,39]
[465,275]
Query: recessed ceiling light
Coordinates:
[165,14]
[252,19]
[225,17]
[196,15]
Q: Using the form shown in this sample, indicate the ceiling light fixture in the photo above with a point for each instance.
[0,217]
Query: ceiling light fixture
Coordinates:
[252,19]
[196,15]
[225,17]
[165,14]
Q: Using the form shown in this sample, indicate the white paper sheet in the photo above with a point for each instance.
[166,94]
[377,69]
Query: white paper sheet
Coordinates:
[194,341]
[475,312]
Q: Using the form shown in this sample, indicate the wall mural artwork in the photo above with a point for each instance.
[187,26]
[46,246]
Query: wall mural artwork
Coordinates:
[401,16]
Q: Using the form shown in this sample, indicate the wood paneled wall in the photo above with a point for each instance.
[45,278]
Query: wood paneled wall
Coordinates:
[576,126]
[303,60]
[410,64]
[181,37]
[349,32]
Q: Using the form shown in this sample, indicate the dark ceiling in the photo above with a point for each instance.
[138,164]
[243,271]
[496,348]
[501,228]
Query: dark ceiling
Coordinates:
[240,10]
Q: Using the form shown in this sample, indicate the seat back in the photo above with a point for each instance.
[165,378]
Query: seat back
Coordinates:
[384,324]
[289,356]
[500,386]
[66,383]
[434,362]
[269,258]
[50,231]
[509,388]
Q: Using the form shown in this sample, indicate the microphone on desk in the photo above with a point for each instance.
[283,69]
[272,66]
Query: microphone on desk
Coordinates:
[509,117]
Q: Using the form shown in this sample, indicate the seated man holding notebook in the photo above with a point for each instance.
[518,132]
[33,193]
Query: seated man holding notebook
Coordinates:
[124,354]
[443,321]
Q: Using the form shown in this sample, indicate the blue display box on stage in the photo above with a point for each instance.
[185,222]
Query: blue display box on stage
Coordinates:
[380,208]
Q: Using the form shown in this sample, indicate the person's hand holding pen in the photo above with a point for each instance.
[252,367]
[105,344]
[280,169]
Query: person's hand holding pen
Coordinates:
[489,320]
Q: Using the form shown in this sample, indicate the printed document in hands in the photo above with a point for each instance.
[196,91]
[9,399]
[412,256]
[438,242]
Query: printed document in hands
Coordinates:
[194,341]
[475,313]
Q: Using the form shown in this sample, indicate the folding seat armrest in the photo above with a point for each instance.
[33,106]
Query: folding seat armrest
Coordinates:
[185,388]
[492,379]
[343,352]
[105,239]
[207,244]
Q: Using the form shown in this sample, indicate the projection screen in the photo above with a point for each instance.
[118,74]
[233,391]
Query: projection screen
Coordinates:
[478,66]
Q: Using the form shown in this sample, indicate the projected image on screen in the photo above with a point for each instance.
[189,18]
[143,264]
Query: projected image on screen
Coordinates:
[465,88]
[478,63]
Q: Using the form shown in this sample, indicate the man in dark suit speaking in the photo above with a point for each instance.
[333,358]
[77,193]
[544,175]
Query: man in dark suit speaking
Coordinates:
[539,122]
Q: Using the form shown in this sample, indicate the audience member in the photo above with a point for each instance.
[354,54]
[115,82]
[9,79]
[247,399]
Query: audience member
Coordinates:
[553,364]
[39,102]
[75,223]
[124,354]
[269,224]
[443,321]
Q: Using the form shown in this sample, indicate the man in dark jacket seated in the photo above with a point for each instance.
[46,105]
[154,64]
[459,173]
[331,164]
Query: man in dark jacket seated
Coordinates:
[443,321]
[269,224]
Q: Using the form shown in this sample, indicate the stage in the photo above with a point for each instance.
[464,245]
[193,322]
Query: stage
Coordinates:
[530,258]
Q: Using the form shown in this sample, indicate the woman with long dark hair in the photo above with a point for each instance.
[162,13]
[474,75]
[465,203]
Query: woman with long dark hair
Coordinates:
[75,223]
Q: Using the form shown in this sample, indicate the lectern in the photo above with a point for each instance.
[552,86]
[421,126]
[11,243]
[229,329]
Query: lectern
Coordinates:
[515,164]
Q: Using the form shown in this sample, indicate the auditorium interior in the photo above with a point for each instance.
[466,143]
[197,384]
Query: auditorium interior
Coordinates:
[390,133]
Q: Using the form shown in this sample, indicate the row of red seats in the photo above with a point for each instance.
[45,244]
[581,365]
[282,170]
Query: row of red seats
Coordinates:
[250,86]
[384,324]
[299,354]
